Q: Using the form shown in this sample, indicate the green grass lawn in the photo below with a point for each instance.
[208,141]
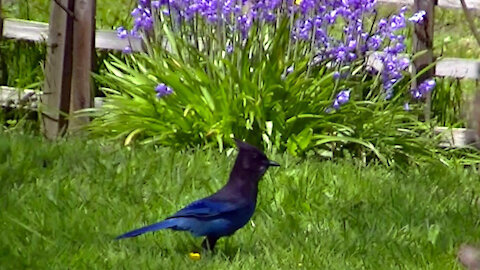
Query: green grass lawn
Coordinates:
[63,203]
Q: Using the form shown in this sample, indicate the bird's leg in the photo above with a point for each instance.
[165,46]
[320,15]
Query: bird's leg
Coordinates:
[209,243]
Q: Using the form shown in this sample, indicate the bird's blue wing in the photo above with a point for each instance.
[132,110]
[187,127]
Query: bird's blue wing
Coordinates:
[207,208]
[188,218]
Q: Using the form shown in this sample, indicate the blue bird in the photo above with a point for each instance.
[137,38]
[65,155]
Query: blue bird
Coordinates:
[227,210]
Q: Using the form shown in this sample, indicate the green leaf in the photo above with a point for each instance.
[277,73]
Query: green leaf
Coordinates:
[132,134]
[433,232]
[323,139]
[304,138]
[208,98]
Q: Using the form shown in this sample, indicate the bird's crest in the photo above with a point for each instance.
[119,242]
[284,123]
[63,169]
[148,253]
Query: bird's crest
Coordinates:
[245,146]
[250,157]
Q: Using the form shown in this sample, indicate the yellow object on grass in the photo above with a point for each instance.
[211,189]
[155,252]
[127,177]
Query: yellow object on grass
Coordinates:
[194,256]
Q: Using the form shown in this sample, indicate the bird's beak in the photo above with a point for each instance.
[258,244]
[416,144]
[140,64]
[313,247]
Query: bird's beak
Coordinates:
[273,163]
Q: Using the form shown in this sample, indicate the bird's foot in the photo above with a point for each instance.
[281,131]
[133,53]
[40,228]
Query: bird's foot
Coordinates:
[209,243]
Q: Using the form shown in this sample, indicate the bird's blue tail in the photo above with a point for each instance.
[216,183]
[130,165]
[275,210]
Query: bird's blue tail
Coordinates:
[169,223]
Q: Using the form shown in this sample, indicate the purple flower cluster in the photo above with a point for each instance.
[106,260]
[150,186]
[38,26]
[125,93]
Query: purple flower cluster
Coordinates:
[122,33]
[316,19]
[394,64]
[341,98]
[238,14]
[315,23]
[423,89]
[142,15]
[418,17]
[143,22]
[163,90]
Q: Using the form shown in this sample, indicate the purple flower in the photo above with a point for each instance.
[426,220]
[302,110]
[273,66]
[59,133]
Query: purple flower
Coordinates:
[406,106]
[341,98]
[143,2]
[430,84]
[418,17]
[416,94]
[229,49]
[244,23]
[339,53]
[382,24]
[423,89]
[351,57]
[163,90]
[336,75]
[307,5]
[331,17]
[397,22]
[135,34]
[290,69]
[156,4]
[127,50]
[352,45]
[403,63]
[142,15]
[136,11]
[122,33]
[374,42]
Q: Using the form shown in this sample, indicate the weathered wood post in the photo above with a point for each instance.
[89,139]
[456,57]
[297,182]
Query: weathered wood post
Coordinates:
[1,36]
[58,69]
[70,54]
[1,20]
[423,40]
[83,60]
[476,114]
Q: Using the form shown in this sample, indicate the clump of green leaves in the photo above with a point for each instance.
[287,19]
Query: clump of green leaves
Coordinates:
[273,80]
[249,95]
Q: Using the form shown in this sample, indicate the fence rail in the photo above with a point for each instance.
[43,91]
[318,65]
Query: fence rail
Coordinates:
[11,97]
[38,32]
[472,4]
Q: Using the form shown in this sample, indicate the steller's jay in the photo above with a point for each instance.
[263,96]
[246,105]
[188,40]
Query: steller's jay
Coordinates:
[225,211]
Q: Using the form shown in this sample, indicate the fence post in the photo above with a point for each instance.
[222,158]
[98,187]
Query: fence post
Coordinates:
[423,40]
[1,37]
[1,20]
[476,114]
[2,72]
[83,59]
[58,69]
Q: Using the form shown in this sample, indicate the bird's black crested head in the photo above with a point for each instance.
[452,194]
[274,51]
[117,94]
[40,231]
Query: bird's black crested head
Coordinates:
[252,159]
